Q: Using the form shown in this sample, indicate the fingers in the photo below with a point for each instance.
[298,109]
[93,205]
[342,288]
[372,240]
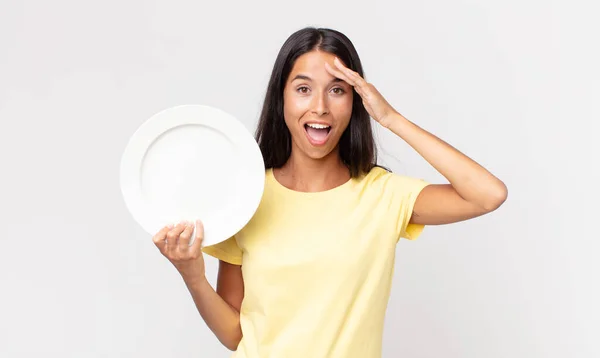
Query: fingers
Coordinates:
[339,74]
[173,238]
[184,238]
[346,74]
[354,76]
[160,238]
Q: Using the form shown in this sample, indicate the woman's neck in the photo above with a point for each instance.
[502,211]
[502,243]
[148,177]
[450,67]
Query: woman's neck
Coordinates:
[302,173]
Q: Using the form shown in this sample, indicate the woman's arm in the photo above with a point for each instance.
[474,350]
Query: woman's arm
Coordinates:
[473,191]
[220,309]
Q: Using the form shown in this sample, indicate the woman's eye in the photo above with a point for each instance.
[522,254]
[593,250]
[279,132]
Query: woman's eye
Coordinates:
[337,90]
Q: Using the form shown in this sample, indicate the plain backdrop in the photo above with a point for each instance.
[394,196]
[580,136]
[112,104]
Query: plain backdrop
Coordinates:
[513,84]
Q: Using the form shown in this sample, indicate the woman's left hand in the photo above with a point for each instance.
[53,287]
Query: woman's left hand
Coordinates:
[379,109]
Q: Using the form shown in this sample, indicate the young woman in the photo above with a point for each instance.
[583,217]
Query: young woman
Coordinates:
[310,274]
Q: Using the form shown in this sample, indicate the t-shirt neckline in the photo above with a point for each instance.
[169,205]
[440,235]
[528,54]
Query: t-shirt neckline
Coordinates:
[327,192]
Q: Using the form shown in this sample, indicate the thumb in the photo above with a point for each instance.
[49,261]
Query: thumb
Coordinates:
[199,237]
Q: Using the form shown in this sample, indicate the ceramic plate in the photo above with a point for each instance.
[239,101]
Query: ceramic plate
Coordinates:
[193,162]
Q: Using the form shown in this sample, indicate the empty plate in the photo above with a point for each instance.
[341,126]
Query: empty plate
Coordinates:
[193,162]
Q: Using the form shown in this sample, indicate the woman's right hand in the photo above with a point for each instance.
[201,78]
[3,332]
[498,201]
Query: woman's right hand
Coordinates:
[174,243]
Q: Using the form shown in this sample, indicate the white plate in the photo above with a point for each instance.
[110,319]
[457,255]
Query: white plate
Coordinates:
[193,162]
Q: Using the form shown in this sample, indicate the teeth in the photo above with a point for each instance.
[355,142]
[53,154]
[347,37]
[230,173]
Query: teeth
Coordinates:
[317,126]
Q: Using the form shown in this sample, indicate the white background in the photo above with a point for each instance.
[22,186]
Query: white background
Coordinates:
[513,84]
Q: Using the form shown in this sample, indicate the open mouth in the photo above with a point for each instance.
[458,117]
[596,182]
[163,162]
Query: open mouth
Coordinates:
[317,133]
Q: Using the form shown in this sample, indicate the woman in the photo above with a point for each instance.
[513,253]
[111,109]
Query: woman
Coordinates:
[310,274]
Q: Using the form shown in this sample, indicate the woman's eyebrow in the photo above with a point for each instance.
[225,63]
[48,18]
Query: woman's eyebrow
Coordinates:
[306,78]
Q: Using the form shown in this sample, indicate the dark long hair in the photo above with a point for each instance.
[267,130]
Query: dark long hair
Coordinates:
[357,146]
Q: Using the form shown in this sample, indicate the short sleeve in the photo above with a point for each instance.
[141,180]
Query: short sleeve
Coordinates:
[227,251]
[406,190]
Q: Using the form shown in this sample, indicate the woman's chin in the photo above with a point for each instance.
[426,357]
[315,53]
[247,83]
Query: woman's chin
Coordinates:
[318,153]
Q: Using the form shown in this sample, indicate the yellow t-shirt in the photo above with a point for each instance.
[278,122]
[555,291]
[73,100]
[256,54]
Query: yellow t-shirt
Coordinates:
[318,267]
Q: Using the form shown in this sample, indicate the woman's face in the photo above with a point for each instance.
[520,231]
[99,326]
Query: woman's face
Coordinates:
[316,105]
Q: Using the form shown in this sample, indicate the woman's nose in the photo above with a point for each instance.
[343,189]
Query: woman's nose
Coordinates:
[320,106]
